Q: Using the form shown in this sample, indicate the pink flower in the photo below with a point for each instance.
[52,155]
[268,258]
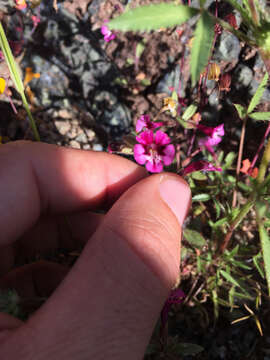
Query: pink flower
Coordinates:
[154,150]
[145,122]
[20,4]
[200,165]
[36,20]
[213,138]
[176,297]
[108,35]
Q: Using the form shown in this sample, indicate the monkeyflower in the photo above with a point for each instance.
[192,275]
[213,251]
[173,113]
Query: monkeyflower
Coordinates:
[106,32]
[144,122]
[176,297]
[154,150]
[200,165]
[213,137]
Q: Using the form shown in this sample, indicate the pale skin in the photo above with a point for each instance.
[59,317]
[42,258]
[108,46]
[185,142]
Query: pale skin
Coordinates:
[107,305]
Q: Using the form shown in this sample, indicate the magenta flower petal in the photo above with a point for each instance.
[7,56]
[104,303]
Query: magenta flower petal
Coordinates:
[162,138]
[145,138]
[139,154]
[200,165]
[154,167]
[106,32]
[176,297]
[169,153]
[154,150]
[144,122]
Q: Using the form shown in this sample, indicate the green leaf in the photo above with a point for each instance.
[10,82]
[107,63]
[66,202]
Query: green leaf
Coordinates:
[258,94]
[152,17]
[189,112]
[229,278]
[256,259]
[217,207]
[265,244]
[139,49]
[229,159]
[201,45]
[16,78]
[194,238]
[201,197]
[260,115]
[241,111]
[12,65]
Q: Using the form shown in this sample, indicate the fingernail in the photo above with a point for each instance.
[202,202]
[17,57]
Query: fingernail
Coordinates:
[176,194]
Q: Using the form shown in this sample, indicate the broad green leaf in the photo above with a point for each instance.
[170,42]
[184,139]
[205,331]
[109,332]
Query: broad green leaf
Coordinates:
[189,112]
[194,238]
[258,94]
[201,45]
[152,17]
[260,115]
[241,110]
[201,197]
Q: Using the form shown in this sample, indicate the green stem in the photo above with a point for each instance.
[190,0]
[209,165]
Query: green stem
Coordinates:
[264,164]
[32,121]
[243,212]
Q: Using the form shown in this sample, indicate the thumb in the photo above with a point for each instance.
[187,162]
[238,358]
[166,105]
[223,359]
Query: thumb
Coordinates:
[108,304]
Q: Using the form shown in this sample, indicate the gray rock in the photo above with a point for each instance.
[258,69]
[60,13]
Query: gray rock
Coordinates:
[243,76]
[229,48]
[74,66]
[171,79]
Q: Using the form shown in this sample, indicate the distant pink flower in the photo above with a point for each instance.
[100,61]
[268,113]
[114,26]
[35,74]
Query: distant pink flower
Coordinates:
[200,165]
[36,20]
[154,150]
[144,122]
[176,297]
[213,138]
[108,35]
[20,4]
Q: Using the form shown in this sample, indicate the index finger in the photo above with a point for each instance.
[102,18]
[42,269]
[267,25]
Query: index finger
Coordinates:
[38,178]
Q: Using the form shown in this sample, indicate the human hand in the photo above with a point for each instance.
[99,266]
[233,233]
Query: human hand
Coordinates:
[107,305]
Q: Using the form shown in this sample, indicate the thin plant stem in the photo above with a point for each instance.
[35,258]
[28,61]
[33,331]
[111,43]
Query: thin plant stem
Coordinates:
[239,160]
[260,147]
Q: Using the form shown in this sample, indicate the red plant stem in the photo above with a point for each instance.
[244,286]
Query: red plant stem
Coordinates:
[260,147]
[180,81]
[191,142]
